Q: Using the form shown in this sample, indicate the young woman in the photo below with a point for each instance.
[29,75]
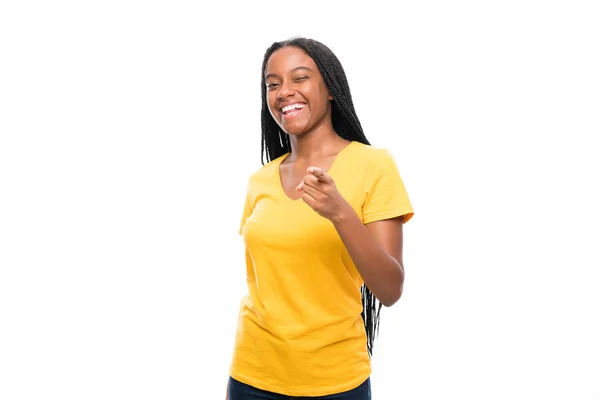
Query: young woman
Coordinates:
[322,226]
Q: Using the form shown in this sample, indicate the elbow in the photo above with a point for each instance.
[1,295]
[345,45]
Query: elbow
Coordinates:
[393,297]
[388,303]
[390,287]
[395,291]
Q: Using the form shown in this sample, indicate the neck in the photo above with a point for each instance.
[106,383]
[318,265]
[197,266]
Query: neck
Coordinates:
[320,142]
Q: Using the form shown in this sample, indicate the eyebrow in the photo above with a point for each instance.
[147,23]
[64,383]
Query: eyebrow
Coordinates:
[293,70]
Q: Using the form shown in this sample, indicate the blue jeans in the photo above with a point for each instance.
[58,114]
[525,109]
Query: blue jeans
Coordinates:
[240,391]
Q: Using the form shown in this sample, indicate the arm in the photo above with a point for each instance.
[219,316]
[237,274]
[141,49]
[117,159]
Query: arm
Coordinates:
[376,250]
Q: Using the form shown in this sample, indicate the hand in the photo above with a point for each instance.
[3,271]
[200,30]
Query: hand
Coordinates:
[320,193]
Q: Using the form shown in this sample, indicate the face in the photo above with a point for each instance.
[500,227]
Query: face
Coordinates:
[297,96]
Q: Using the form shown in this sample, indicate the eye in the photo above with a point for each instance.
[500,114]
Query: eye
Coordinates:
[272,85]
[301,78]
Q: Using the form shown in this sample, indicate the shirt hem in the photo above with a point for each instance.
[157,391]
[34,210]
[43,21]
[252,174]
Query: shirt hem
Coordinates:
[330,390]
[405,214]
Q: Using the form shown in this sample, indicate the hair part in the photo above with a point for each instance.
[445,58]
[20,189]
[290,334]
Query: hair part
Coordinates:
[275,143]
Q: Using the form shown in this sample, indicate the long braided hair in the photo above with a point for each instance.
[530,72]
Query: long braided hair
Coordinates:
[346,124]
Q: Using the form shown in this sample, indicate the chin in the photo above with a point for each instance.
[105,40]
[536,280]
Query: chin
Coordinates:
[294,131]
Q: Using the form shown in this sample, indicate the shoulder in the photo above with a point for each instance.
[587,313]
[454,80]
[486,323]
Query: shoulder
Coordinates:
[268,168]
[265,172]
[371,156]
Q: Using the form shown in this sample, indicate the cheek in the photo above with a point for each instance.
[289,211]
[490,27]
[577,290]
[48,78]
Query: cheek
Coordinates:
[321,96]
[271,100]
[325,95]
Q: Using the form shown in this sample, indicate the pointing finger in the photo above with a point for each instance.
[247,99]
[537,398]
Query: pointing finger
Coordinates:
[319,174]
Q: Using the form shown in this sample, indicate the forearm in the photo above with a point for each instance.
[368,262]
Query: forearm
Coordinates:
[382,273]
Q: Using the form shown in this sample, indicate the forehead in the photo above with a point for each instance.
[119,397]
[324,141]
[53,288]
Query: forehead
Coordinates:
[287,58]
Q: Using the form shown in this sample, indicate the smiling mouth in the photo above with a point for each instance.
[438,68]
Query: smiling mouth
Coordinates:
[292,110]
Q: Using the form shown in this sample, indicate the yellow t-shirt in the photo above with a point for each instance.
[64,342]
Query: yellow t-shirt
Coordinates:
[300,329]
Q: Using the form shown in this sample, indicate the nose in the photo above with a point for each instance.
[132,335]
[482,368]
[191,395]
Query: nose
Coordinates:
[286,89]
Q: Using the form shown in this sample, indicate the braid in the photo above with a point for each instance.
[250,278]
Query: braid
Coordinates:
[346,124]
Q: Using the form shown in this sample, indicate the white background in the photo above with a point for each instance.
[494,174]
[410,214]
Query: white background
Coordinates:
[128,131]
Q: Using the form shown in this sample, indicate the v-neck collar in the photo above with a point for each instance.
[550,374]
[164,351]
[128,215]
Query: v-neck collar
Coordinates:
[330,171]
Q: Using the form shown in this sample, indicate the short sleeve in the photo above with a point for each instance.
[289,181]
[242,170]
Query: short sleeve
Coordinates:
[247,209]
[384,194]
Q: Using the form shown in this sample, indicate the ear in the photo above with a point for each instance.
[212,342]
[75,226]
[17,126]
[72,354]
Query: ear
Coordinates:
[331,97]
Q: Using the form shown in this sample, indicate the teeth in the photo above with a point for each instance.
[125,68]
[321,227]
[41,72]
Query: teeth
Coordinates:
[292,107]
